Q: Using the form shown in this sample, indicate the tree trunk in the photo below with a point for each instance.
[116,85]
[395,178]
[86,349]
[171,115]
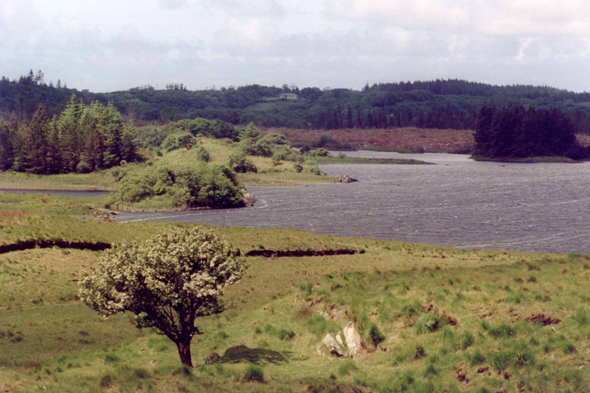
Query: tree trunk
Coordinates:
[184,350]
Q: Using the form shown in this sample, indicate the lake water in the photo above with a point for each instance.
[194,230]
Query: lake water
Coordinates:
[458,202]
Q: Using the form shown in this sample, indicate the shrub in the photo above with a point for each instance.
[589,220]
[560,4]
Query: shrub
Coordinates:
[239,163]
[83,167]
[321,152]
[375,335]
[203,154]
[203,185]
[298,167]
[254,374]
[176,141]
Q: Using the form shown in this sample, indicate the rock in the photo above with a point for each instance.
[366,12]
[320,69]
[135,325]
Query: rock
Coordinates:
[346,179]
[339,339]
[248,199]
[324,315]
[353,339]
[213,358]
[392,339]
[332,345]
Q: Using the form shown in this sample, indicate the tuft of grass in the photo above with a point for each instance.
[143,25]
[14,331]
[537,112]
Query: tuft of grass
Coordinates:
[347,367]
[254,374]
[375,335]
[428,323]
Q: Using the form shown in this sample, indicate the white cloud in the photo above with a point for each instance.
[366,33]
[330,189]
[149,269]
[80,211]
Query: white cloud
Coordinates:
[247,37]
[249,8]
[173,4]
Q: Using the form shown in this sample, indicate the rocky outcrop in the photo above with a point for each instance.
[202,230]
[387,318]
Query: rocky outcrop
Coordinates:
[353,339]
[332,345]
[346,179]
[248,199]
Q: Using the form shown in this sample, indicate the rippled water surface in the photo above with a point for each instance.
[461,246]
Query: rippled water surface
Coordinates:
[458,202]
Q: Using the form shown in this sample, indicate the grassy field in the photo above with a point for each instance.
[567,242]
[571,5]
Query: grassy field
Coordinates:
[453,320]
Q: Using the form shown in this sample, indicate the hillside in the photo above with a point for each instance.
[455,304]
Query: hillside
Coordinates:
[440,104]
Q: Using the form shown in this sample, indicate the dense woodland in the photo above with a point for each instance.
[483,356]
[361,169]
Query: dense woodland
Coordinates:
[82,139]
[436,104]
[518,133]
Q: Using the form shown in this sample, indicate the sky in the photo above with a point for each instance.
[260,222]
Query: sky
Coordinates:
[109,45]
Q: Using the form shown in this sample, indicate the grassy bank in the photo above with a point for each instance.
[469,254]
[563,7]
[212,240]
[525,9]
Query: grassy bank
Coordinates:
[453,320]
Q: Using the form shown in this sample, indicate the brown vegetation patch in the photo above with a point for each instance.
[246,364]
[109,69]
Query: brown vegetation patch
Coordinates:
[448,141]
[544,319]
[298,253]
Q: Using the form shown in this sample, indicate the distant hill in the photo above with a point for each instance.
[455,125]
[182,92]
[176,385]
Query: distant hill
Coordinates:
[440,104]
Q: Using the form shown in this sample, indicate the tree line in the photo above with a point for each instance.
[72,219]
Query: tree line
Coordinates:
[519,133]
[443,104]
[83,138]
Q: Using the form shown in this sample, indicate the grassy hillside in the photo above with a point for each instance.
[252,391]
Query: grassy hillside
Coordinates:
[452,320]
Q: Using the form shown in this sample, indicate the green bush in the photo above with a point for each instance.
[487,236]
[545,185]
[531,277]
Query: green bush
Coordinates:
[83,167]
[239,163]
[203,185]
[254,374]
[321,152]
[298,167]
[375,335]
[178,140]
[203,154]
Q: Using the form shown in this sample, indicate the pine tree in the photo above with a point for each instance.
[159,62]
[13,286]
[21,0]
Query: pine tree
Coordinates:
[35,143]
[54,163]
[68,124]
[6,150]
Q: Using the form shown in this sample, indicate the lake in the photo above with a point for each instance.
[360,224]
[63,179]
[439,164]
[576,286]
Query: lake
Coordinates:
[458,202]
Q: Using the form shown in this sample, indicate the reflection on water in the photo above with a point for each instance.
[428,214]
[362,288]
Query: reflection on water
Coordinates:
[458,202]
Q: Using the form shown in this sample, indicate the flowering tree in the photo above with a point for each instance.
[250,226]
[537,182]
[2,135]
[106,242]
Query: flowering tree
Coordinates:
[167,282]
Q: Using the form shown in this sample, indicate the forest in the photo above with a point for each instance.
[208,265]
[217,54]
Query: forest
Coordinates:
[442,104]
[82,139]
[518,133]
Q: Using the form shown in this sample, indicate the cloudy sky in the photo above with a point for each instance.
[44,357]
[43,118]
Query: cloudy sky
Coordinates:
[106,45]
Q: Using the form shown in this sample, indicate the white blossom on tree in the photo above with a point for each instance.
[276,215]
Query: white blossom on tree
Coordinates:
[167,282]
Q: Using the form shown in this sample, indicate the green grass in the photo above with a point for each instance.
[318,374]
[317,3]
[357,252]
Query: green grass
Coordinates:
[444,313]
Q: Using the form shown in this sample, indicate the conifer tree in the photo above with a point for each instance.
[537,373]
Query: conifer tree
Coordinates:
[34,152]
